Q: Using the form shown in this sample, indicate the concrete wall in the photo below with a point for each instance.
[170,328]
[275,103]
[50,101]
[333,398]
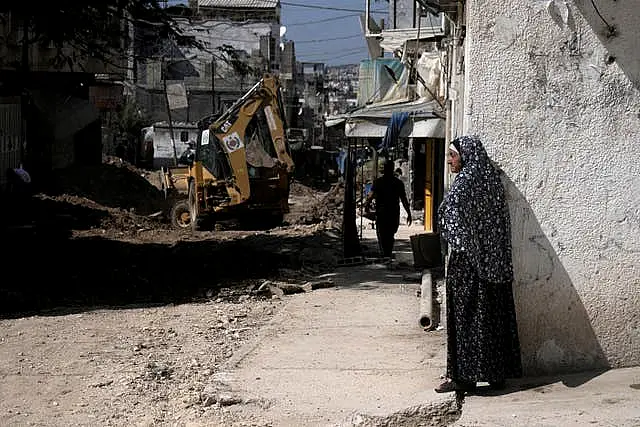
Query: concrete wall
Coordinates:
[242,36]
[554,95]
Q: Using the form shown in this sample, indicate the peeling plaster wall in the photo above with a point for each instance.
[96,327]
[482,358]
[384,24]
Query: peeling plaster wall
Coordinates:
[557,104]
[242,36]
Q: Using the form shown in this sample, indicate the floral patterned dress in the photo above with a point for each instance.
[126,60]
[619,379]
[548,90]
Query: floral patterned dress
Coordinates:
[482,333]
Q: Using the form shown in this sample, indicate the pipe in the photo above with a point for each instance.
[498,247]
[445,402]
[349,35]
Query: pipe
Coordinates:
[426,317]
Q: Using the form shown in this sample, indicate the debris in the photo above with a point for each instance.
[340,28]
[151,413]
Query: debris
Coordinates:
[278,288]
[102,384]
[158,371]
[267,288]
[219,392]
[318,284]
[228,399]
[314,208]
[289,288]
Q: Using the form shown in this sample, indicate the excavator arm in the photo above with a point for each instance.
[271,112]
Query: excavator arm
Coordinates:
[229,134]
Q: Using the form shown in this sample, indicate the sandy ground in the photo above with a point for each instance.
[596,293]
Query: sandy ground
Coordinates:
[131,366]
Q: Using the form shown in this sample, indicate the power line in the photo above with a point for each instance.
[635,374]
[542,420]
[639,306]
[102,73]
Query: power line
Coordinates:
[357,49]
[310,6]
[320,49]
[328,40]
[331,58]
[323,20]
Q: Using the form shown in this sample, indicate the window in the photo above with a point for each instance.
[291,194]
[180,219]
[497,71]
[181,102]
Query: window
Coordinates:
[184,136]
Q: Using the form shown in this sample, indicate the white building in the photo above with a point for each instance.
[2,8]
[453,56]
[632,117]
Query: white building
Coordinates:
[552,89]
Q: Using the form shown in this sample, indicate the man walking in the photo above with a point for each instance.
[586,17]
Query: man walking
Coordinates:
[388,192]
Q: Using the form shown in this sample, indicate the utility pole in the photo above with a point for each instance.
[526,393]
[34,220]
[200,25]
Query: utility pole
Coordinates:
[213,85]
[166,98]
[188,93]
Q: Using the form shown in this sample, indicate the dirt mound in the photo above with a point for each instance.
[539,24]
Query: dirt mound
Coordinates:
[331,206]
[113,198]
[299,189]
[112,184]
[311,206]
[114,218]
[71,212]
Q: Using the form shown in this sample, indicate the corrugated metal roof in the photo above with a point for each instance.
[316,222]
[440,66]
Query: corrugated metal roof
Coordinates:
[372,120]
[258,4]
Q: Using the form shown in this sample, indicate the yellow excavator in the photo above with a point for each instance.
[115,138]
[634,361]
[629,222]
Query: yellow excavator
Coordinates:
[241,164]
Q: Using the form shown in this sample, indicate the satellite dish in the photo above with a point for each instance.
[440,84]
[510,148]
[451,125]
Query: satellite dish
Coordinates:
[283,30]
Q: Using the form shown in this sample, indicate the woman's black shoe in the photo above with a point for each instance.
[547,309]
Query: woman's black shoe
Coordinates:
[451,385]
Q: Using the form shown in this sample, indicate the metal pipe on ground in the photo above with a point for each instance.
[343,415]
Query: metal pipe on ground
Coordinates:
[426,316]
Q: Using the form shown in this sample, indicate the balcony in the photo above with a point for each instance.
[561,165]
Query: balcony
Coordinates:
[425,20]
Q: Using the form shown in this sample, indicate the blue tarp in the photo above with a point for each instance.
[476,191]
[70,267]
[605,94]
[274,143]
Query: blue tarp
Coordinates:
[341,159]
[394,126]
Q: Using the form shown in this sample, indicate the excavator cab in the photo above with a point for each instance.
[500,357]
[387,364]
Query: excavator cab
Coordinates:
[242,165]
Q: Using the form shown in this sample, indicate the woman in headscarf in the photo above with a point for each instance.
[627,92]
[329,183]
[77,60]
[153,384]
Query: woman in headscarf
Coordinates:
[482,333]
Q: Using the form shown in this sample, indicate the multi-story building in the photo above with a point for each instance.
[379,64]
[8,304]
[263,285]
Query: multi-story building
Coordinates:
[341,85]
[288,79]
[225,48]
[313,100]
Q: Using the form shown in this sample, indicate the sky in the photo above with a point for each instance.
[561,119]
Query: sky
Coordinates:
[327,31]
[322,33]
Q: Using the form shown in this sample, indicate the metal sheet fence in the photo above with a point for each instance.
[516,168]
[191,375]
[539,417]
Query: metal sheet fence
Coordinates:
[10,139]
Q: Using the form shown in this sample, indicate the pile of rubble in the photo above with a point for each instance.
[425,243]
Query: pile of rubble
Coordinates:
[112,198]
[113,184]
[331,207]
[313,207]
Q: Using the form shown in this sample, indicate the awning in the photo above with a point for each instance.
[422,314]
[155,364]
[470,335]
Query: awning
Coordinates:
[397,38]
[423,128]
[419,108]
[334,121]
[371,121]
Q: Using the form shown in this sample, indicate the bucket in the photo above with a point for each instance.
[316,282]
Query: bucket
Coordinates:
[426,250]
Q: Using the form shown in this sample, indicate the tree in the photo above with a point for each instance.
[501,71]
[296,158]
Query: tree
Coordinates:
[79,30]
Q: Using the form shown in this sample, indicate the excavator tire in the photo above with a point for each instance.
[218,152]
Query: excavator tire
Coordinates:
[181,215]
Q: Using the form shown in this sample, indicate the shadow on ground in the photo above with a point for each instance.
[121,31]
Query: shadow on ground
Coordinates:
[539,384]
[48,269]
